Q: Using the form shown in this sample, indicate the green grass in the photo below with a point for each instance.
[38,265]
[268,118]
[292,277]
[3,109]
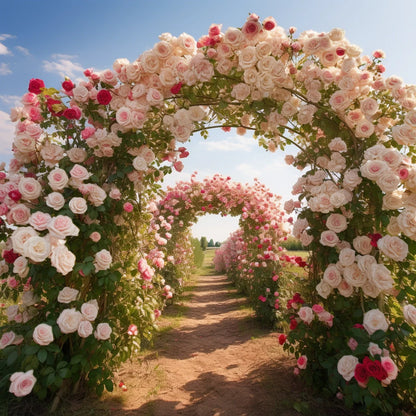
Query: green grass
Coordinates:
[299,253]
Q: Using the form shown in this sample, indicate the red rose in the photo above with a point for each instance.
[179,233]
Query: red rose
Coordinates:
[15,195]
[282,339]
[68,85]
[73,113]
[374,369]
[104,97]
[293,324]
[35,85]
[55,107]
[10,256]
[176,88]
[361,374]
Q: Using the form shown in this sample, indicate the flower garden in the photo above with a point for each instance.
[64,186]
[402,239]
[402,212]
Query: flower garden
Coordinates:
[92,247]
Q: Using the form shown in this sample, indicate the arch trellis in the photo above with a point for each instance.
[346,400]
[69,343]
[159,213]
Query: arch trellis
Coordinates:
[263,226]
[87,159]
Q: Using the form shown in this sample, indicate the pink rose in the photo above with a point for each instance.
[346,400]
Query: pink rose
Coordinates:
[79,173]
[306,314]
[18,214]
[78,205]
[85,329]
[30,188]
[103,260]
[43,334]
[22,383]
[329,238]
[69,320]
[103,331]
[302,362]
[128,207]
[57,179]
[8,338]
[89,310]
[62,227]
[55,200]
[62,259]
[95,236]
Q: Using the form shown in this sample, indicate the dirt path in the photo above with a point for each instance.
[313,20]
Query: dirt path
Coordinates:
[218,362]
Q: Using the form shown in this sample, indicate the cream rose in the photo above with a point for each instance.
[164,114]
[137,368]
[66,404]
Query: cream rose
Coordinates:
[85,329]
[57,179]
[43,334]
[78,205]
[102,260]
[21,384]
[79,173]
[55,200]
[103,331]
[69,320]
[20,266]
[30,188]
[67,295]
[393,247]
[373,169]
[354,276]
[323,289]
[62,259]
[139,163]
[20,236]
[39,220]
[336,223]
[329,238]
[306,314]
[409,313]
[89,310]
[62,227]
[77,155]
[248,57]
[380,277]
[375,320]
[362,244]
[345,289]
[37,249]
[346,257]
[332,276]
[346,366]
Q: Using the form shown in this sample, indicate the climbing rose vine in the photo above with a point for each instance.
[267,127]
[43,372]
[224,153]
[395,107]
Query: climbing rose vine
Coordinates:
[82,153]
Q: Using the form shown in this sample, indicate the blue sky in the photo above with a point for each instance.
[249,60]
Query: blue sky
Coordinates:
[49,39]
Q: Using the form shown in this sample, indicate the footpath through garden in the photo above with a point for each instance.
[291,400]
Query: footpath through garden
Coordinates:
[218,361]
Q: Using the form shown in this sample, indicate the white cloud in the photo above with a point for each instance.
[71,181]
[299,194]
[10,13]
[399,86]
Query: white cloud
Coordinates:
[5,36]
[4,69]
[231,144]
[23,50]
[63,65]
[11,100]
[6,133]
[4,50]
[248,170]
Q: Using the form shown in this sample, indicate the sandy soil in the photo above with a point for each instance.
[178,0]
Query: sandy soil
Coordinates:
[217,362]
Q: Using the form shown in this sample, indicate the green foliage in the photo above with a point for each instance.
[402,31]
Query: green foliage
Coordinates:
[198,252]
[204,243]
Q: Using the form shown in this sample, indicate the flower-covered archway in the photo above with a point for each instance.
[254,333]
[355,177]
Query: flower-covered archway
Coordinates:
[263,225]
[86,159]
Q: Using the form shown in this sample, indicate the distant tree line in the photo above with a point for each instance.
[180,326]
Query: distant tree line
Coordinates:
[205,243]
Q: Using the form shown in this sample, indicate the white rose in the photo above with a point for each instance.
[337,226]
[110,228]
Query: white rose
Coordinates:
[369,106]
[393,247]
[351,179]
[89,310]
[62,259]
[102,260]
[332,276]
[103,331]
[55,200]
[43,334]
[393,200]
[323,289]
[20,266]
[407,222]
[30,188]
[373,169]
[248,57]
[388,181]
[369,289]
[77,155]
[346,366]
[96,195]
[69,320]
[81,93]
[139,163]
[409,313]
[78,205]
[67,295]
[362,244]
[380,277]
[375,320]
[366,262]
[37,249]
[20,236]
[85,329]
[306,314]
[345,289]
[336,223]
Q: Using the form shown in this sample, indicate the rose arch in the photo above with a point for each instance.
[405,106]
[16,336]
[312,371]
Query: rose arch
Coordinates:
[87,160]
[263,226]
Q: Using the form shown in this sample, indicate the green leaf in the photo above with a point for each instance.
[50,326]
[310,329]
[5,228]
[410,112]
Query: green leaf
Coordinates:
[12,357]
[42,355]
[109,385]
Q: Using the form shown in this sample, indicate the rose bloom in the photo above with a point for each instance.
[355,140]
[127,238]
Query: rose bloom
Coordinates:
[8,338]
[103,331]
[30,188]
[78,205]
[336,223]
[346,366]
[39,220]
[375,320]
[22,383]
[329,239]
[57,179]
[95,236]
[89,310]
[43,334]
[332,276]
[346,256]
[373,169]
[20,266]
[62,259]
[67,295]
[390,367]
[85,329]
[37,249]
[62,227]
[374,349]
[362,244]
[102,260]
[302,362]
[20,236]
[409,313]
[323,289]
[393,247]
[306,314]
[19,214]
[354,276]
[69,320]
[55,200]
[139,163]
[380,277]
[77,155]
